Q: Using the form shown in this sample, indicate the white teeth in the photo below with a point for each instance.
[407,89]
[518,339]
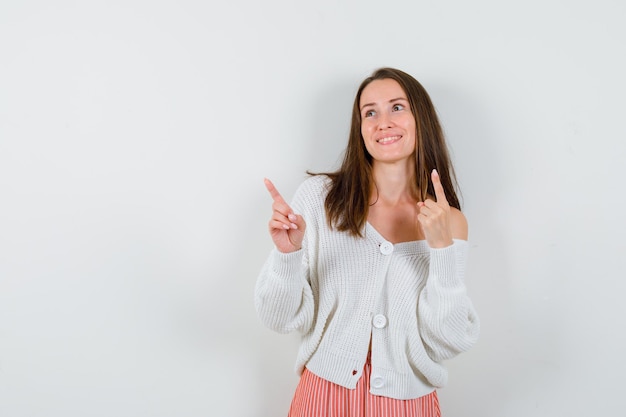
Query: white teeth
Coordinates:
[389,139]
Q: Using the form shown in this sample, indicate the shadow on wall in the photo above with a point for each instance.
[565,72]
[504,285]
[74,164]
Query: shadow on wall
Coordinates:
[273,355]
[324,141]
[503,366]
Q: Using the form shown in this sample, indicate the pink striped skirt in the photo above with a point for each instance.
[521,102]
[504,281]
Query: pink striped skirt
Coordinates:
[316,397]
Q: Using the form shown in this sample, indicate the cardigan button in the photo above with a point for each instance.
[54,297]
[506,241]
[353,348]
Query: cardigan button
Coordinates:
[379,321]
[386,248]
[378,381]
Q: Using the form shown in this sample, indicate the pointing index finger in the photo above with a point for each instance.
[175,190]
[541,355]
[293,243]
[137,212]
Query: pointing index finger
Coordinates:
[273,191]
[439,192]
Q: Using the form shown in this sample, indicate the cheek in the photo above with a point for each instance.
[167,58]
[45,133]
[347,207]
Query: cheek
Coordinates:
[409,122]
[411,128]
[366,130]
[365,140]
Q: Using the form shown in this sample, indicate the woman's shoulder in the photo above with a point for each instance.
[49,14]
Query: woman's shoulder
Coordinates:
[311,193]
[315,185]
[458,224]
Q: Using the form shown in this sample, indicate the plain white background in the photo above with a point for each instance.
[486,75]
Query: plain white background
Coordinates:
[134,139]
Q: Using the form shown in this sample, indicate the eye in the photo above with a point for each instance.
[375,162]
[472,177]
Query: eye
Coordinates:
[397,107]
[369,113]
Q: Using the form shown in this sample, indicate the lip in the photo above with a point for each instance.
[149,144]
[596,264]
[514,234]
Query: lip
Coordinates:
[388,139]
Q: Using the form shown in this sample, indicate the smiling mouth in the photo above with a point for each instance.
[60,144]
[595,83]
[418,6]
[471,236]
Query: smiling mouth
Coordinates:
[388,139]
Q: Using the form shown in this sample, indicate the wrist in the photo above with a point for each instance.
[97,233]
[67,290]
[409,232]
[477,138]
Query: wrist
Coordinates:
[441,244]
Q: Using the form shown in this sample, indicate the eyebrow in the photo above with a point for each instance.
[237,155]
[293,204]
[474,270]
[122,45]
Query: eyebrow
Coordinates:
[390,101]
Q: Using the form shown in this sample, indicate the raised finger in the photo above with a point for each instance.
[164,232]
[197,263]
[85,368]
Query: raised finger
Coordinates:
[273,191]
[439,192]
[280,204]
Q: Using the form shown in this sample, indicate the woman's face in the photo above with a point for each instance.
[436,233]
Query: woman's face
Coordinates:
[387,124]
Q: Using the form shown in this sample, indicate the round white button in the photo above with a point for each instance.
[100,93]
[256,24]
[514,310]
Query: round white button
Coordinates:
[386,248]
[379,321]
[377,382]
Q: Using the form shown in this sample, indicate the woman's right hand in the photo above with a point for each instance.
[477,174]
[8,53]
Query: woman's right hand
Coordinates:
[286,227]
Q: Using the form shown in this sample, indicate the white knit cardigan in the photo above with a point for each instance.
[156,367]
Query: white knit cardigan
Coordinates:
[339,291]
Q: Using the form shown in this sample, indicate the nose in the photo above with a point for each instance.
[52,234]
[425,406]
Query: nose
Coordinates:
[384,121]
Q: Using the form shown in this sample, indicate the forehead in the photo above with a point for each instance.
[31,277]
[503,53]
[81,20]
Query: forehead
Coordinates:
[381,91]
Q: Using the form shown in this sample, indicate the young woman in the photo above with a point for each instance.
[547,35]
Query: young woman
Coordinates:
[369,264]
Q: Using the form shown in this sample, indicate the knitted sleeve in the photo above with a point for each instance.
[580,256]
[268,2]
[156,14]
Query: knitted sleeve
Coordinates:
[283,296]
[448,322]
[284,299]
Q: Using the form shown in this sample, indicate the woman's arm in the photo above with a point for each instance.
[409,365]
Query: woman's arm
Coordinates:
[283,297]
[447,320]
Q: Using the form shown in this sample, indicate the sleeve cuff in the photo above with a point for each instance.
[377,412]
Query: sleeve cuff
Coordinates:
[447,265]
[286,265]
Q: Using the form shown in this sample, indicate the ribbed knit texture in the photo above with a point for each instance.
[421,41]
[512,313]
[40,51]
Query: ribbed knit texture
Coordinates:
[332,288]
[317,397]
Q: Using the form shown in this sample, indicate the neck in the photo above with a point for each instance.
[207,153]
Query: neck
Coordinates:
[393,183]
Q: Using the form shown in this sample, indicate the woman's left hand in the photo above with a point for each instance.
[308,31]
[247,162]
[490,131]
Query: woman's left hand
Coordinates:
[434,216]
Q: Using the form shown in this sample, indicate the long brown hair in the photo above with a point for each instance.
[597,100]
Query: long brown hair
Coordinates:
[347,202]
